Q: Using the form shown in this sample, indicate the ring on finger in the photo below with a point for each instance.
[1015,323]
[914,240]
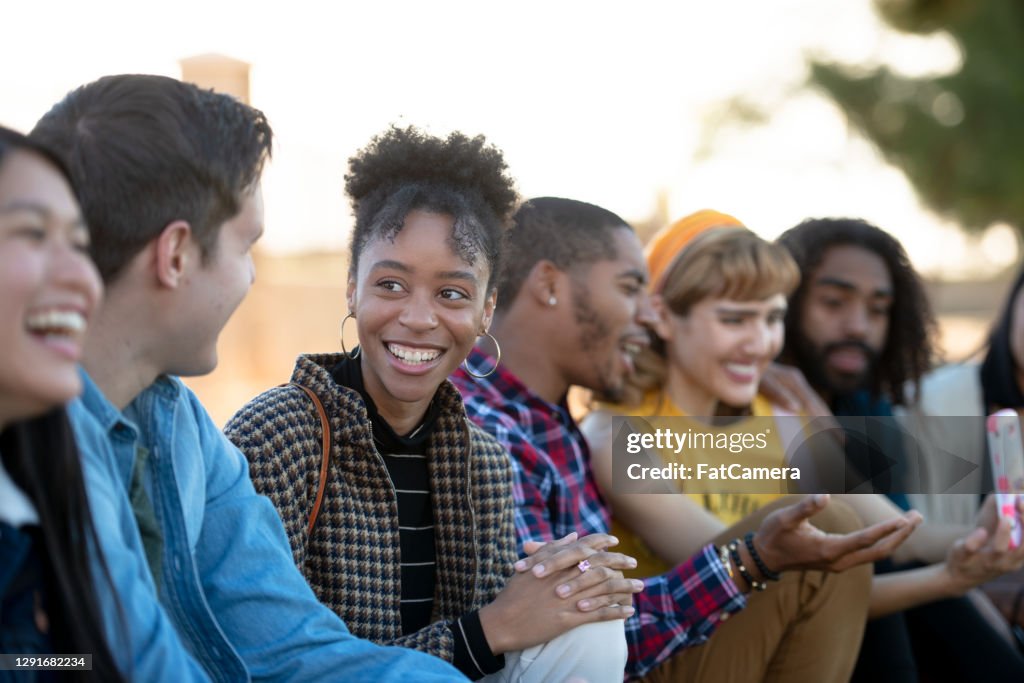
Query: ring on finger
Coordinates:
[583,565]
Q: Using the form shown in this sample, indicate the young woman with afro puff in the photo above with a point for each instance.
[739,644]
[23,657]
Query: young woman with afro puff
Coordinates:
[414,543]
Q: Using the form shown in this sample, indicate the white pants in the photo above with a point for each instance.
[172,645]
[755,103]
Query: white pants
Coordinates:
[592,653]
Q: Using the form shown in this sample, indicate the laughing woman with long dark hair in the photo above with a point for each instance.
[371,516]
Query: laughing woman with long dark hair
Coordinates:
[48,601]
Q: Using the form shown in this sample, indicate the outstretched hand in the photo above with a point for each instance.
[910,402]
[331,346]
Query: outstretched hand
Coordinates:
[788,540]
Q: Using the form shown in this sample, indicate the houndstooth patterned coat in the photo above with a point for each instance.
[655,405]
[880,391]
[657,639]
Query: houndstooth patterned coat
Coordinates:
[352,559]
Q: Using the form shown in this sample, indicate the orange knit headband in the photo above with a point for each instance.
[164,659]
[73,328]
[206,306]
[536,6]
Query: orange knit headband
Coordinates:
[668,243]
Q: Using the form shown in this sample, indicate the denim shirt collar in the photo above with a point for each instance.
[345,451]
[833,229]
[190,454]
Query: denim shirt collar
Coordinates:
[107,414]
[118,426]
[99,406]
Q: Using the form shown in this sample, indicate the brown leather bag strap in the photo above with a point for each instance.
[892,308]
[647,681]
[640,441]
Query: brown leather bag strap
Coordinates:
[325,455]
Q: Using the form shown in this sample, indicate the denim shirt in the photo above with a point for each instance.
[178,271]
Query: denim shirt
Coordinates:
[232,605]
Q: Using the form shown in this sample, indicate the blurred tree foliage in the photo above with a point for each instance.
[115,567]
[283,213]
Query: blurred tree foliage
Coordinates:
[959,138]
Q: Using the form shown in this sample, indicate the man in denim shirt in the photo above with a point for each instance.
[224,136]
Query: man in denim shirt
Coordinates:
[169,181]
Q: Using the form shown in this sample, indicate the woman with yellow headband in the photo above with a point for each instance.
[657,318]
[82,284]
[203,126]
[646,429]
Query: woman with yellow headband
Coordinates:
[720,296]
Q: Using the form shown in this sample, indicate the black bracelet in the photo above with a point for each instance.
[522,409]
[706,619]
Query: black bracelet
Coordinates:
[734,553]
[761,566]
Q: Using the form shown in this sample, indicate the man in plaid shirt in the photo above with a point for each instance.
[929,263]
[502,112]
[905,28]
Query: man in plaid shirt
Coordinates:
[572,305]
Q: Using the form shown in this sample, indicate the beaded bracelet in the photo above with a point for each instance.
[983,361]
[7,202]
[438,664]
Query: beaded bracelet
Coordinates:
[734,553]
[761,566]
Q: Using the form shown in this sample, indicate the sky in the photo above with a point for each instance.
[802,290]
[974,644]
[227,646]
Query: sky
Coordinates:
[589,100]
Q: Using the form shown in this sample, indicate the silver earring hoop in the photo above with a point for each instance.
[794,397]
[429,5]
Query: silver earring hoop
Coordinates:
[341,338]
[497,361]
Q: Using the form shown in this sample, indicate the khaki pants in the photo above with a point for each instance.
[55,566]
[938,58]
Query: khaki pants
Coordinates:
[592,653]
[806,627]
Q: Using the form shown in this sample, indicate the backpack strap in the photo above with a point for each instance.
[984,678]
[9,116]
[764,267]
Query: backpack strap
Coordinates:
[325,455]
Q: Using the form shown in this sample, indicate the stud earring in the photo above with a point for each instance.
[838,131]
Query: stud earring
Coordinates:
[552,300]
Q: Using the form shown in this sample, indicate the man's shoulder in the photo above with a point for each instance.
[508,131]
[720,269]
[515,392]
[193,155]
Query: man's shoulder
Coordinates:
[502,419]
[170,399]
[952,375]
[166,394]
[179,393]
[188,430]
[180,398]
[482,402]
[953,389]
[471,390]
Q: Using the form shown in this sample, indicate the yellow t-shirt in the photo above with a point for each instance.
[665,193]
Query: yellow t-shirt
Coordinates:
[659,411]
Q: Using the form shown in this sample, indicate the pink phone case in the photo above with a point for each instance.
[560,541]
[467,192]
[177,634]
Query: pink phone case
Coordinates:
[1007,452]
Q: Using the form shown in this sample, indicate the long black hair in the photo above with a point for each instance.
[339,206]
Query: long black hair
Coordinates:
[41,457]
[910,346]
[999,370]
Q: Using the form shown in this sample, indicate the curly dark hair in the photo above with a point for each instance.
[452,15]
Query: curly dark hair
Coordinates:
[910,346]
[404,169]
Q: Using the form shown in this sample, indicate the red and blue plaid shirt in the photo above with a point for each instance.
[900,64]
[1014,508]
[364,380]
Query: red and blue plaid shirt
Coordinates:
[556,494]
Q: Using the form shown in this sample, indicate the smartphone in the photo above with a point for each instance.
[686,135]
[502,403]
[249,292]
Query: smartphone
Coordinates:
[1007,453]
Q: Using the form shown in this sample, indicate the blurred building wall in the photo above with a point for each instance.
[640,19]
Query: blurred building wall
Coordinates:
[297,304]
[218,72]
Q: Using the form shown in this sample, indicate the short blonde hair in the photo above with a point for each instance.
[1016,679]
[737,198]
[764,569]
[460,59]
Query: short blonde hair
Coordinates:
[729,262]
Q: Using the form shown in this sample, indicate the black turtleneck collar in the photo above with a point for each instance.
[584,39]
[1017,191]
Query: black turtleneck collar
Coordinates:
[349,373]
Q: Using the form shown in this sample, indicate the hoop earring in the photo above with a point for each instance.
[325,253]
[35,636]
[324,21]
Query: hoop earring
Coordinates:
[341,338]
[497,360]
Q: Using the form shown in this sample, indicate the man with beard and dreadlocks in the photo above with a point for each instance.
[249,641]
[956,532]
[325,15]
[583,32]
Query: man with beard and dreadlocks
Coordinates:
[856,280]
[861,329]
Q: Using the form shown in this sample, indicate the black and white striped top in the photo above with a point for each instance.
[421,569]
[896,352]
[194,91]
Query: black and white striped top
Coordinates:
[406,460]
[408,471]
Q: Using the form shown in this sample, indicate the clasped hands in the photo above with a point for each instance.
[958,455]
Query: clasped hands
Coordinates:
[550,594]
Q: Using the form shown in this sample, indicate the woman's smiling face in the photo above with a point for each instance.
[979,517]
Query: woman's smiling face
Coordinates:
[50,287]
[720,349]
[419,307]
